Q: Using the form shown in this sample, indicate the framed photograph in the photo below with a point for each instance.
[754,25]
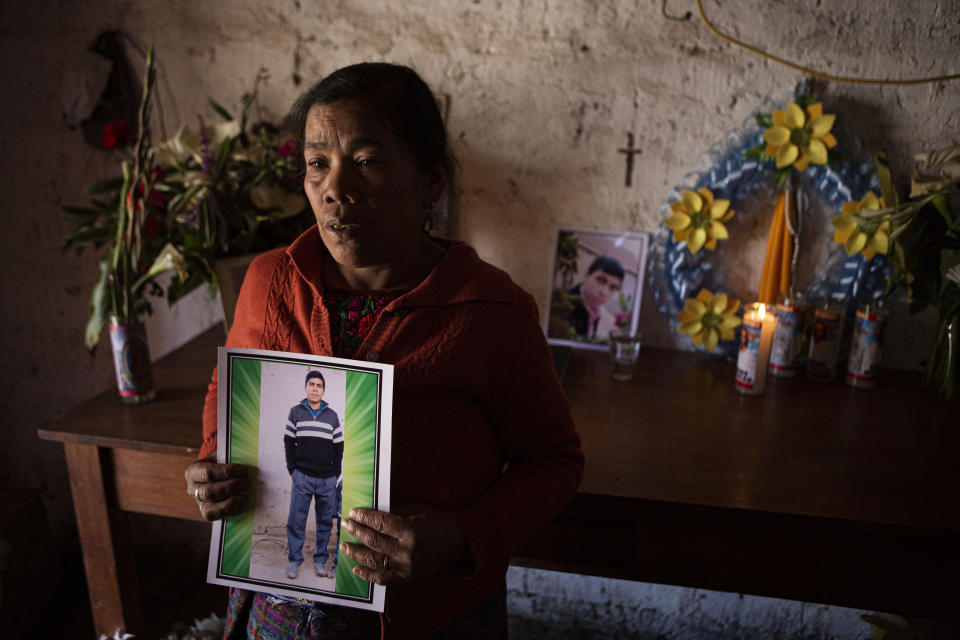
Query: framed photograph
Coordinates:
[317,431]
[596,286]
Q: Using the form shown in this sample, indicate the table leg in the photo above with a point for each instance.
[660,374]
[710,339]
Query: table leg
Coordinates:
[107,556]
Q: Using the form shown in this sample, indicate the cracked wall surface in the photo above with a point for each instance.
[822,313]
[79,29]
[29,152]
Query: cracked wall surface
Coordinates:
[542,95]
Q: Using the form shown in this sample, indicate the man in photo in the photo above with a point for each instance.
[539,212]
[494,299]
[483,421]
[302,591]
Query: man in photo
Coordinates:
[604,278]
[313,441]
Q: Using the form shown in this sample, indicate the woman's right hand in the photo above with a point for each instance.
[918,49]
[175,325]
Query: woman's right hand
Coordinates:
[217,488]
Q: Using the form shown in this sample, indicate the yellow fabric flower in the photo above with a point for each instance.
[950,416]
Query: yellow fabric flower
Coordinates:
[698,219]
[866,235]
[800,137]
[709,318]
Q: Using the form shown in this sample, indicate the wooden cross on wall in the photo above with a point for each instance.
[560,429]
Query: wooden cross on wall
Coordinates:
[630,151]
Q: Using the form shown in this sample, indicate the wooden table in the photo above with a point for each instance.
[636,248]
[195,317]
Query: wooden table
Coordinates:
[132,458]
[811,492]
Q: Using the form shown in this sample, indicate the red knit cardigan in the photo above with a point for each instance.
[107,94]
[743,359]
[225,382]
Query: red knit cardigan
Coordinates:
[481,427]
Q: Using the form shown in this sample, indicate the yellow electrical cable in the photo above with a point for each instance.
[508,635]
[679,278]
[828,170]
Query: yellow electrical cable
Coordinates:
[812,72]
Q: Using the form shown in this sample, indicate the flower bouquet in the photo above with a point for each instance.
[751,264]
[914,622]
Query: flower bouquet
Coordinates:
[921,235]
[128,216]
[232,190]
[227,189]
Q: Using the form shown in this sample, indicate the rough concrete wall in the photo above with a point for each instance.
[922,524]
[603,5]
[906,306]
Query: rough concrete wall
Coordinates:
[542,92]
[546,604]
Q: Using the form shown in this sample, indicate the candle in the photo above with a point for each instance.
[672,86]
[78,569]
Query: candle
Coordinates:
[825,341]
[788,337]
[866,349]
[756,336]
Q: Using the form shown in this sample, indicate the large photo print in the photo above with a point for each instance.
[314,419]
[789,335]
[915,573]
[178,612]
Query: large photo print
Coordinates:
[596,286]
[317,431]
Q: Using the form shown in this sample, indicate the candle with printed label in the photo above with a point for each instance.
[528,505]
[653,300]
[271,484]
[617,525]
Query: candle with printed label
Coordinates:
[825,341]
[788,337]
[756,335]
[866,348]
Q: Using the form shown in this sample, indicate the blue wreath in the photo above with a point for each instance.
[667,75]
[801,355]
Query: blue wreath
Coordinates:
[750,185]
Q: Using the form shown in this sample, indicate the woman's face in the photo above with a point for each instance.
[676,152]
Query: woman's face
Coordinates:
[365,187]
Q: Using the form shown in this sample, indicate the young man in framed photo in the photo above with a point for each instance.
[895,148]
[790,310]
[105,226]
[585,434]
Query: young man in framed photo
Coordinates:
[313,441]
[604,279]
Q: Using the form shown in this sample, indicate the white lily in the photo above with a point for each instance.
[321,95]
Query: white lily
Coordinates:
[281,203]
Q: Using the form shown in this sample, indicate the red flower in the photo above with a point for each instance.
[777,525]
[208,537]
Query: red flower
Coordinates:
[116,134]
[152,227]
[158,199]
[289,146]
[366,323]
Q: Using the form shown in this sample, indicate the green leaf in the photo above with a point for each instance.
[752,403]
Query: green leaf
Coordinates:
[223,113]
[98,306]
[168,259]
[887,190]
[782,174]
[756,152]
[105,186]
[223,153]
[248,100]
[804,101]
[900,229]
[85,235]
[179,202]
[949,258]
[105,205]
[80,214]
[765,120]
[942,203]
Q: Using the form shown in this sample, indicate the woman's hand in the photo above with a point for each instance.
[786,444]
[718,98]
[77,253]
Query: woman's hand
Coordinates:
[412,543]
[217,488]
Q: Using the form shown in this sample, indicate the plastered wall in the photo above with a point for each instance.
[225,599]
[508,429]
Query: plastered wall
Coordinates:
[542,95]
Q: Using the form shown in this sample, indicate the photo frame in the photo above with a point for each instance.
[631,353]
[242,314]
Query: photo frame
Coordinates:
[262,396]
[596,286]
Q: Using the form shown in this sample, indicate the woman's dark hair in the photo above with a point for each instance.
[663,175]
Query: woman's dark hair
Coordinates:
[396,93]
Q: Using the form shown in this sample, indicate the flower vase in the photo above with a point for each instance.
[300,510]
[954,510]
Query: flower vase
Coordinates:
[943,366]
[131,360]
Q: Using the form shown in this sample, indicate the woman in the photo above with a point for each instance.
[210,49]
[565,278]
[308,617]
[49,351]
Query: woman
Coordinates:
[484,449]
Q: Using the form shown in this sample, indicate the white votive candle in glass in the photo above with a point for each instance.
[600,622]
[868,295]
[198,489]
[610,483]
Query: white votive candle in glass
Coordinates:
[756,335]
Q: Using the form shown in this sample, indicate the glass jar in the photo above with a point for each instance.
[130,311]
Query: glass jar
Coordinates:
[825,340]
[788,336]
[866,346]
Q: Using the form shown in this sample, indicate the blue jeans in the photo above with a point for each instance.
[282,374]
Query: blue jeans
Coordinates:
[304,489]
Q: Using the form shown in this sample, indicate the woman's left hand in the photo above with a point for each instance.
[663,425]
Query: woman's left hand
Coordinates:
[413,542]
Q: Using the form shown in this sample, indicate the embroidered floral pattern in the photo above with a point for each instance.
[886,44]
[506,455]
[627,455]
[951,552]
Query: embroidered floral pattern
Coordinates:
[352,316]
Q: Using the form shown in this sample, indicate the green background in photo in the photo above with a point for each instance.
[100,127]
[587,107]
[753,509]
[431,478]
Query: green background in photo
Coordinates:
[244,437]
[359,463]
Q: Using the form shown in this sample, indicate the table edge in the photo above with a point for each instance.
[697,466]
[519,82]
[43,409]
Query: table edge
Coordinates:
[66,437]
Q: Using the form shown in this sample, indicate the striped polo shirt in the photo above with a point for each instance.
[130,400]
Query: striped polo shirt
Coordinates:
[313,440]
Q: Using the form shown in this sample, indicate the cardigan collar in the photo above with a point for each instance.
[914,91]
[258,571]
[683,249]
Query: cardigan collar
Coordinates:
[459,276]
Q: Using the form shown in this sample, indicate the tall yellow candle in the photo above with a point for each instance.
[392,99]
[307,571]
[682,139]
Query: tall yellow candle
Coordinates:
[770,280]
